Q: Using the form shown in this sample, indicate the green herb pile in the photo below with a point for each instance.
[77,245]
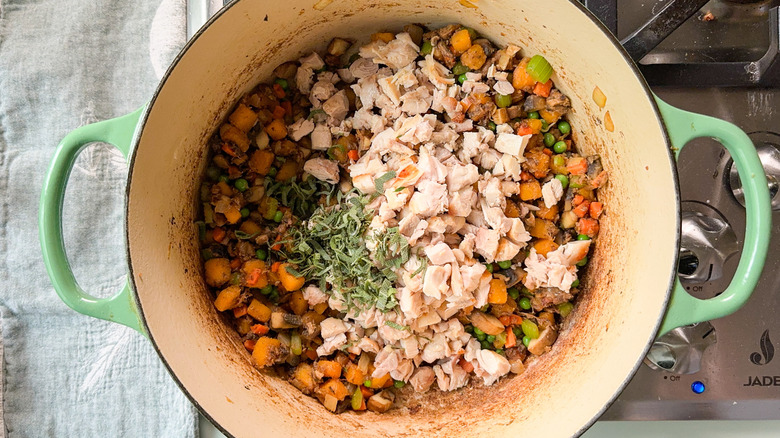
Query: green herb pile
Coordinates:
[330,247]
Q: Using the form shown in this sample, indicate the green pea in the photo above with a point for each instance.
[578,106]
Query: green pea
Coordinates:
[282,83]
[490,338]
[459,69]
[472,33]
[485,345]
[564,127]
[530,328]
[559,147]
[426,48]
[503,100]
[533,115]
[244,212]
[500,351]
[583,237]
[241,184]
[559,160]
[481,337]
[583,262]
[235,278]
[278,216]
[489,267]
[575,283]
[492,126]
[272,171]
[513,293]
[524,303]
[213,173]
[526,340]
[399,384]
[468,328]
[478,332]
[549,140]
[367,383]
[206,254]
[563,179]
[545,126]
[274,297]
[224,178]
[565,309]
[462,78]
[261,254]
[517,331]
[267,290]
[506,264]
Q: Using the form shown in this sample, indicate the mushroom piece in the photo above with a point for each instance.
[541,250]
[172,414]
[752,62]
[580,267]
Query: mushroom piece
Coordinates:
[546,338]
[487,323]
[380,402]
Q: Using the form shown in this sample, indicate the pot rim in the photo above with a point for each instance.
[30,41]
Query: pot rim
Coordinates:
[144,117]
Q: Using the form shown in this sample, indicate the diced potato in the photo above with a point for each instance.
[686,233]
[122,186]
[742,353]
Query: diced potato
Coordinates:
[255,274]
[568,219]
[378,403]
[498,292]
[303,377]
[547,213]
[543,246]
[298,304]
[521,80]
[243,326]
[354,375]
[330,402]
[288,170]
[381,382]
[328,368]
[259,311]
[228,298]
[543,229]
[277,130]
[549,117]
[511,210]
[383,36]
[335,388]
[322,307]
[461,41]
[243,118]
[338,46]
[232,214]
[224,188]
[281,320]
[599,97]
[289,281]
[261,161]
[268,351]
[530,190]
[474,58]
[234,135]
[217,271]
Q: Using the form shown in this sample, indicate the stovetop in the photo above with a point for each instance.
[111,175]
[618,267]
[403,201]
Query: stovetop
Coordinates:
[727,368]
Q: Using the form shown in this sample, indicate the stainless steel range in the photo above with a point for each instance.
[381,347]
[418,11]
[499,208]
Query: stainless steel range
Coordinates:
[722,61]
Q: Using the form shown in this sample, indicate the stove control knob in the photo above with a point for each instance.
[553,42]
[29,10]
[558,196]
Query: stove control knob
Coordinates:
[769,155]
[680,351]
[707,242]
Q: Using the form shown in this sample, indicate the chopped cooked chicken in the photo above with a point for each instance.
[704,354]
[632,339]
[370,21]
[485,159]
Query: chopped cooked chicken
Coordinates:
[323,169]
[552,191]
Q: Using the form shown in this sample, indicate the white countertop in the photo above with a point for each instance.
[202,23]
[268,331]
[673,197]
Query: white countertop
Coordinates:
[642,429]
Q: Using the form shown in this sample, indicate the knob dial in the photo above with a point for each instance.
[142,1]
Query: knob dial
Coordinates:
[680,351]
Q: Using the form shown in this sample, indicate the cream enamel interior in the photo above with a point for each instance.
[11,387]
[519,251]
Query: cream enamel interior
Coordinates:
[630,273]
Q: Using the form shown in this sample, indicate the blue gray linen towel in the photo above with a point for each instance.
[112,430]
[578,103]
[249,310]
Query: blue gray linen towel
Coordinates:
[65,63]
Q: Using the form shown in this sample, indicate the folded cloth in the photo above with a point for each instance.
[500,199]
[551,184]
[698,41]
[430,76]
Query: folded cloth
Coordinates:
[64,63]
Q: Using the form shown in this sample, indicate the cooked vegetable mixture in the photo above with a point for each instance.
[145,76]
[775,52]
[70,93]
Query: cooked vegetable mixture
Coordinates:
[412,211]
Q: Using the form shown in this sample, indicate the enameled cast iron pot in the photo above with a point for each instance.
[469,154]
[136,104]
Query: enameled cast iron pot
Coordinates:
[630,281]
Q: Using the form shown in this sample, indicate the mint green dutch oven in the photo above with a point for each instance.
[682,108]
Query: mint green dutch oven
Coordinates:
[631,294]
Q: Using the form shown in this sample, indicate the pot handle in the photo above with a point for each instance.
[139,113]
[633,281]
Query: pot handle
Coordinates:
[684,126]
[120,308]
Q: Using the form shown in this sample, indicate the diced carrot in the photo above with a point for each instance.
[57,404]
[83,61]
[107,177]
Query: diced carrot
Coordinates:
[596,208]
[362,405]
[466,365]
[255,278]
[578,199]
[275,266]
[588,226]
[582,209]
[228,150]
[353,154]
[547,151]
[235,264]
[524,129]
[511,339]
[599,180]
[239,311]
[218,234]
[279,112]
[249,344]
[259,329]
[367,393]
[512,319]
[279,91]
[543,89]
[577,165]
[277,246]
[287,105]
[525,176]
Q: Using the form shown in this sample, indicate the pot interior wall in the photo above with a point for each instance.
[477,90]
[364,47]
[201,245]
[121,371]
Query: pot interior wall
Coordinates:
[629,275]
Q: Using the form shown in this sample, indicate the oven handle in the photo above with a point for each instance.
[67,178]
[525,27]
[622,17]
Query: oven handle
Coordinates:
[684,126]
